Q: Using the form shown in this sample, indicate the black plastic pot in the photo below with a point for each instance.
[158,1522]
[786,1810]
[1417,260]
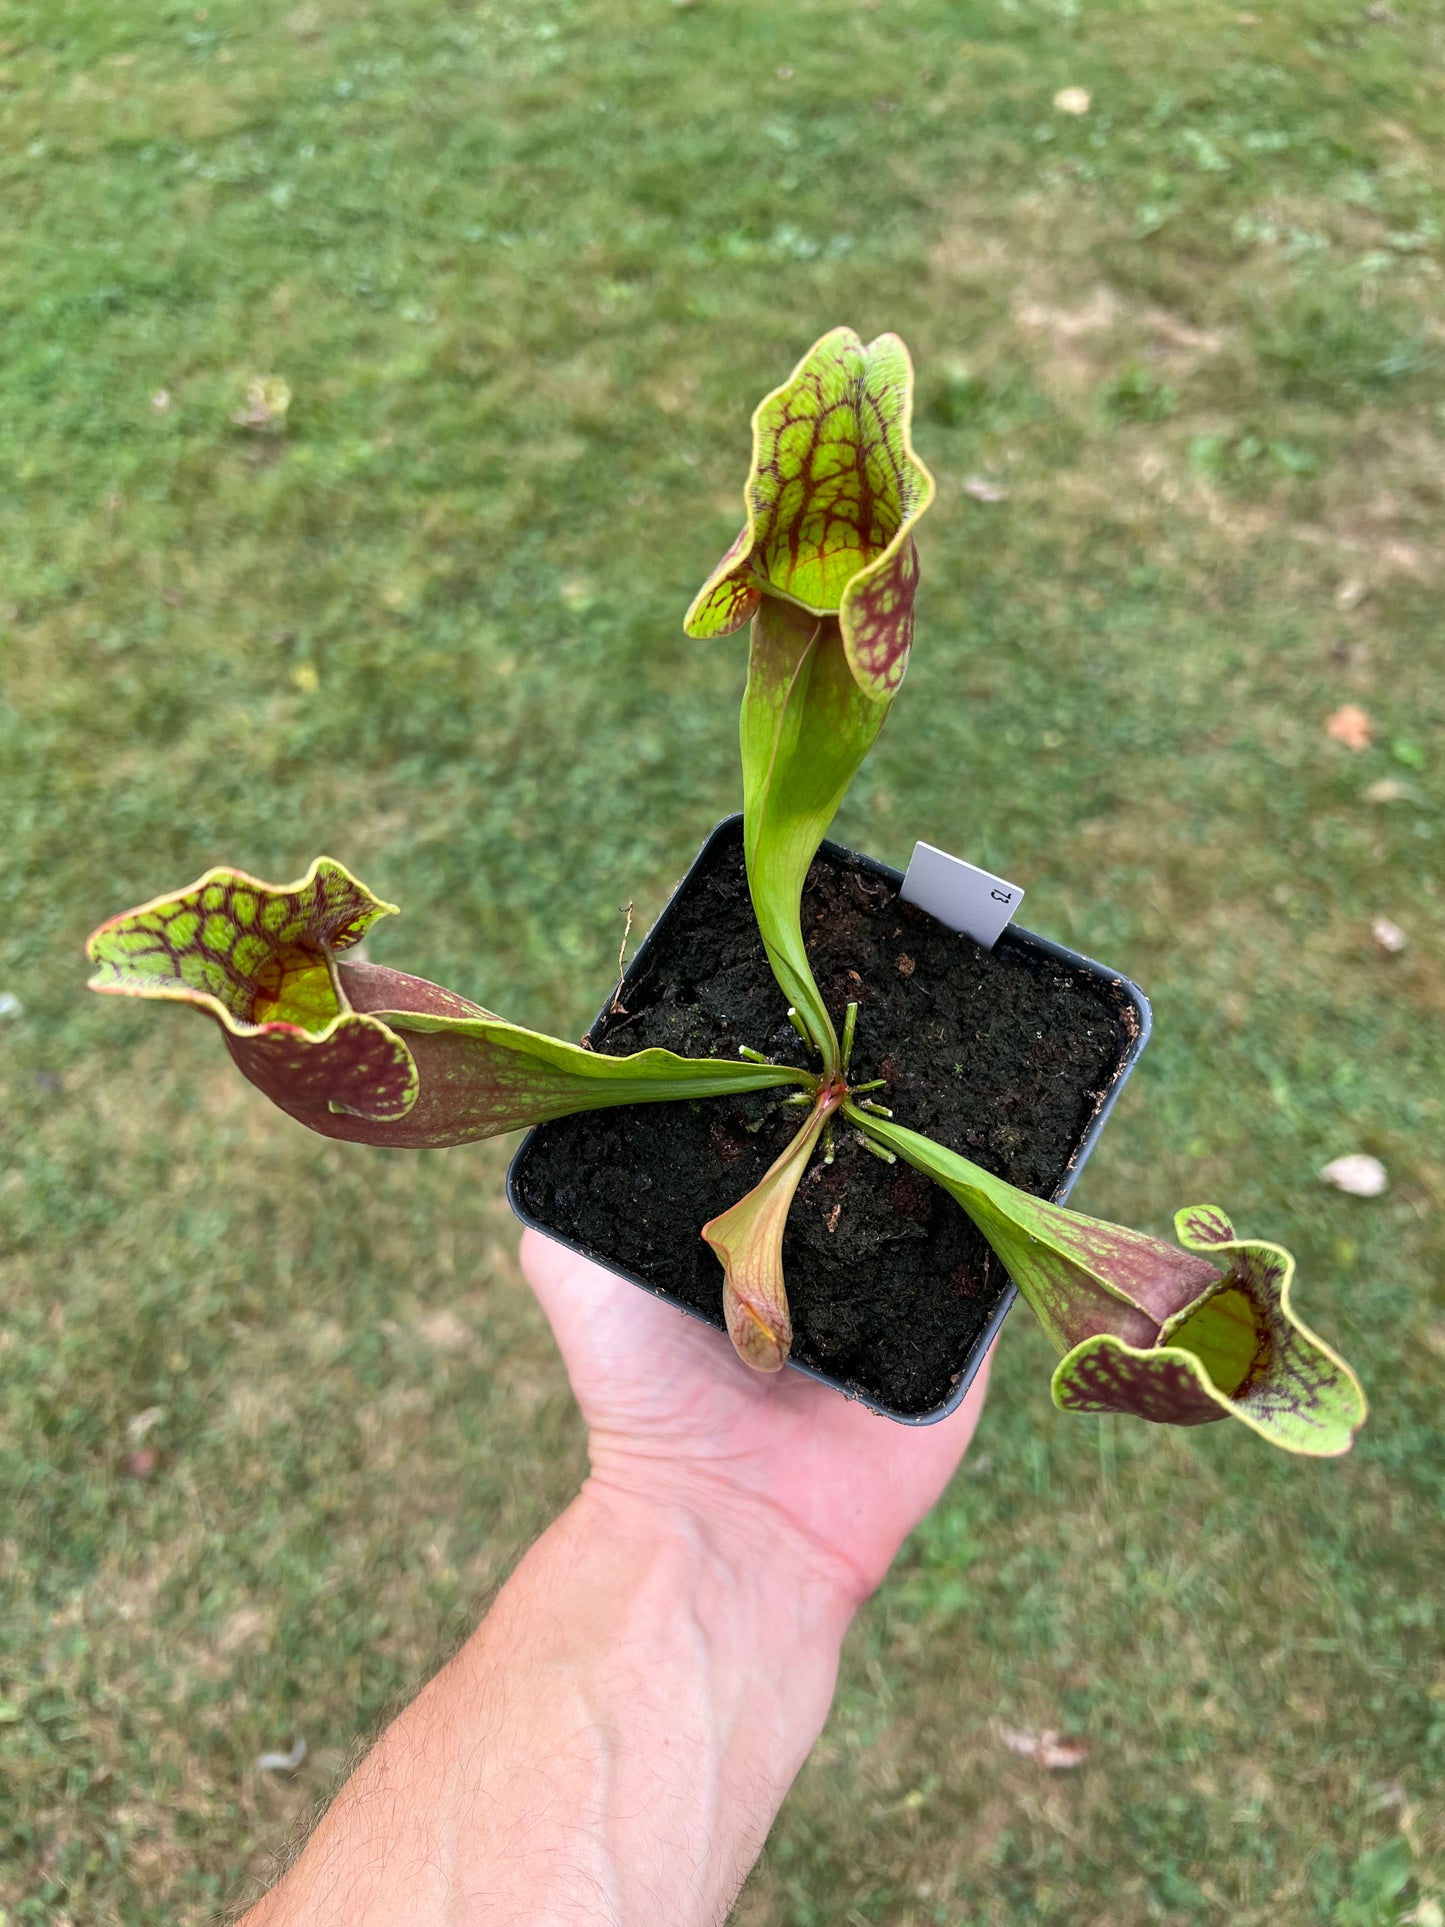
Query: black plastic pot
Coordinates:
[1017,951]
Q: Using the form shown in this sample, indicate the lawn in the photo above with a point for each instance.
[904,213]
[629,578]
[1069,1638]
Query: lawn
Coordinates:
[525,268]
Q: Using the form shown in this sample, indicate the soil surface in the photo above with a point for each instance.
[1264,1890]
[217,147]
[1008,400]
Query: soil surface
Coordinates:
[1004,1055]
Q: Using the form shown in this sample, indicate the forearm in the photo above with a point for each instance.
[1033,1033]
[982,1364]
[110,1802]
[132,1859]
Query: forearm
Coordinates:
[610,1746]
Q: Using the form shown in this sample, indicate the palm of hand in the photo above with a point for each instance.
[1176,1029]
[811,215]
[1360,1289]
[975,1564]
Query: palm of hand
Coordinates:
[672,1412]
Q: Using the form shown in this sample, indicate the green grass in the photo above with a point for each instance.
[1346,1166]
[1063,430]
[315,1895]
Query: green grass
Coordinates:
[526,269]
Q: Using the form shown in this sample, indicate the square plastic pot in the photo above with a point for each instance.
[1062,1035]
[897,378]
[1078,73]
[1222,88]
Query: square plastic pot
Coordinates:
[1131,1001]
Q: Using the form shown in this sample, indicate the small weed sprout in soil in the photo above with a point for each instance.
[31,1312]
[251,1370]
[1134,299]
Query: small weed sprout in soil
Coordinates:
[825,572]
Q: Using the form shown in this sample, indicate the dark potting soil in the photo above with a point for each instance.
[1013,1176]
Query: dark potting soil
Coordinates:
[1003,1055]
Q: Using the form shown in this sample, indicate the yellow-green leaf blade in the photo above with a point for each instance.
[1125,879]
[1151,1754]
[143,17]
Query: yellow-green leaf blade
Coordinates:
[805,728]
[484,1076]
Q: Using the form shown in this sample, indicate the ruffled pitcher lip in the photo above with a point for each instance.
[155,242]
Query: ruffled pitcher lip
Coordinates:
[190,901]
[874,606]
[1296,1392]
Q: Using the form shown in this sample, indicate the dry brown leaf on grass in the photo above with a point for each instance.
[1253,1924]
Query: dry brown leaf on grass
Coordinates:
[1057,1751]
[1350,726]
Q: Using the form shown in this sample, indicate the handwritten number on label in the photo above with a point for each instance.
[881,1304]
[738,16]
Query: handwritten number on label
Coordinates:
[959,894]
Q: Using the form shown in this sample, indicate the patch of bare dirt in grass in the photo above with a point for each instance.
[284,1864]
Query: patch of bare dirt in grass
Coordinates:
[124,104]
[1072,335]
[1037,307]
[1370,518]
[1375,501]
[1087,337]
[971,250]
[1371,534]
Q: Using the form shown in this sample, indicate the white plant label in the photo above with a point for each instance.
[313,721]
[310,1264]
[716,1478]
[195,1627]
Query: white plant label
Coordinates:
[960,894]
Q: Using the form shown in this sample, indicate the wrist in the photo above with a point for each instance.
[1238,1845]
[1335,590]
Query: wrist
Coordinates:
[741,1542]
[733,1613]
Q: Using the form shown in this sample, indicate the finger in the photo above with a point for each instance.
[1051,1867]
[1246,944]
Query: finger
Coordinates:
[555,1272]
[568,1286]
[593,1311]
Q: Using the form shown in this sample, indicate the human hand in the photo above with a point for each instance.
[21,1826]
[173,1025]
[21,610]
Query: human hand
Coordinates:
[675,1416]
[628,1717]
